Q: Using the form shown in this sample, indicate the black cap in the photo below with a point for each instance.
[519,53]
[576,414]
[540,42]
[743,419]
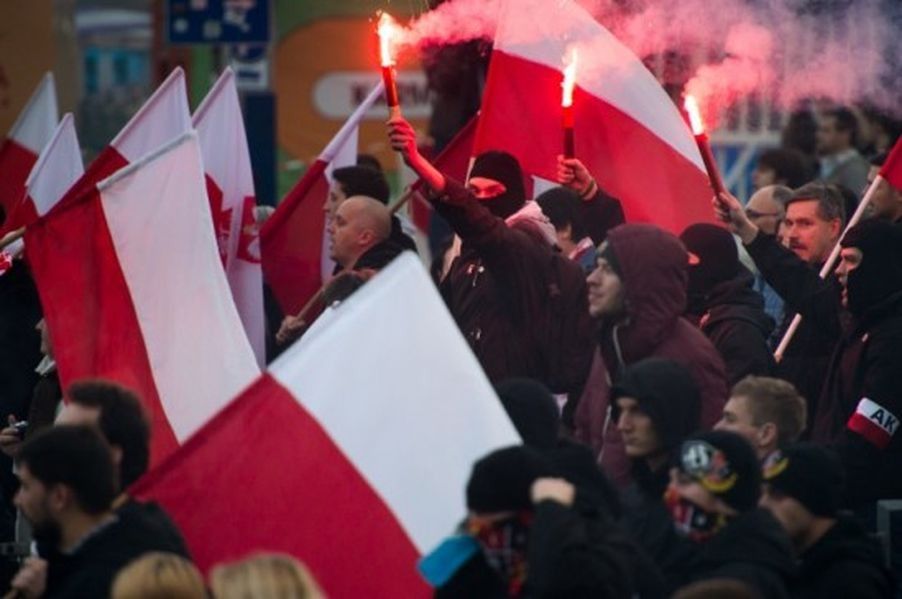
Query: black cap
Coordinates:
[533,410]
[880,273]
[504,168]
[713,257]
[810,474]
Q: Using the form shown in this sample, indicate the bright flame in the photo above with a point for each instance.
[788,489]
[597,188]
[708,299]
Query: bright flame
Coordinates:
[695,115]
[569,79]
[388,29]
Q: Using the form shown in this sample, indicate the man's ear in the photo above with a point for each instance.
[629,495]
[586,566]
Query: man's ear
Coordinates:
[116,453]
[836,228]
[59,497]
[767,434]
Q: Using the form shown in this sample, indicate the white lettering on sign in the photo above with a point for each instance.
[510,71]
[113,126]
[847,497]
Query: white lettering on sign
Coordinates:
[336,95]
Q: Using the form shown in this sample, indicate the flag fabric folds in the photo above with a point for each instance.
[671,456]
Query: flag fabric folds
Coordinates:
[352,451]
[230,186]
[133,290]
[628,132]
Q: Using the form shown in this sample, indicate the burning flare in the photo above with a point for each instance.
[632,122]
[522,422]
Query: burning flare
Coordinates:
[388,30]
[695,115]
[569,79]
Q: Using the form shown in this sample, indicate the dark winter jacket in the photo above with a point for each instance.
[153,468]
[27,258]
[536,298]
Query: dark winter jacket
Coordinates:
[752,549]
[844,563]
[647,521]
[737,325]
[500,287]
[818,301]
[861,405]
[571,554]
[653,265]
[379,256]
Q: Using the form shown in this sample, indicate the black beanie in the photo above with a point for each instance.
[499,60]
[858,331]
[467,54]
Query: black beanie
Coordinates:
[880,273]
[363,181]
[533,410]
[726,465]
[810,474]
[502,480]
[713,256]
[666,392]
[504,168]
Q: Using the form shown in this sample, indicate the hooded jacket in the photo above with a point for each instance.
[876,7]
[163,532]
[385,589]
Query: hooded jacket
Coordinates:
[653,271]
[735,322]
[498,288]
[752,549]
[845,562]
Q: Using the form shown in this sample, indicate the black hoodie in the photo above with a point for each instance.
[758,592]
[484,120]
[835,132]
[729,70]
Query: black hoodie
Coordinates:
[845,562]
[753,549]
[736,323]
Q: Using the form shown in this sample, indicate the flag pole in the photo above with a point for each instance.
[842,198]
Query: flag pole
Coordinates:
[11,237]
[829,264]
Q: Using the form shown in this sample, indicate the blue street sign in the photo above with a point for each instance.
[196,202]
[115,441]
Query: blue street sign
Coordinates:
[218,21]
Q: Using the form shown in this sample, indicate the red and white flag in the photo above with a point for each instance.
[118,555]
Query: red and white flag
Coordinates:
[360,440]
[24,142]
[892,168]
[292,238]
[230,186]
[628,132]
[57,169]
[163,117]
[133,290]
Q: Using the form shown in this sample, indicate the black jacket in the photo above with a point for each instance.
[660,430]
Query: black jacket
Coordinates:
[867,364]
[844,563]
[571,554]
[752,549]
[807,358]
[498,289]
[737,325]
[647,521]
[90,570]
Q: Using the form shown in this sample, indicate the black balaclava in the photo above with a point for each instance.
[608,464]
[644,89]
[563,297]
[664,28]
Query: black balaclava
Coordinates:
[713,260]
[880,273]
[504,168]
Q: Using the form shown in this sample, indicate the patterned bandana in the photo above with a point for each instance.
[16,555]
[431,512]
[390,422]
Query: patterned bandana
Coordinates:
[504,545]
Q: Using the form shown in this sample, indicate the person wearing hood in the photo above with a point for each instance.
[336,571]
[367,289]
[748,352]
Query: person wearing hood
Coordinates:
[723,301]
[803,486]
[713,501]
[528,536]
[508,286]
[655,406]
[637,294]
[859,410]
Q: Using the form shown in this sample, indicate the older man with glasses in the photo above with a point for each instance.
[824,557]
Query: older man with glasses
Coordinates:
[767,209]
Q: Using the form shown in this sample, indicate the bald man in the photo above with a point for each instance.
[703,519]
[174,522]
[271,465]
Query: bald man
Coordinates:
[361,225]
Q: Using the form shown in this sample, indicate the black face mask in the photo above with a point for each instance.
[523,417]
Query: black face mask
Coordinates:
[504,205]
[879,275]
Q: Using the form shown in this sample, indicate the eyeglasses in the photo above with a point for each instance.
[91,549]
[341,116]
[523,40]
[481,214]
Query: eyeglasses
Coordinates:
[755,214]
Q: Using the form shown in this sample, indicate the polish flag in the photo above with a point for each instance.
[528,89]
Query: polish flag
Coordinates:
[292,238]
[58,167]
[892,168]
[628,132]
[162,118]
[230,186]
[133,290]
[378,412]
[28,136]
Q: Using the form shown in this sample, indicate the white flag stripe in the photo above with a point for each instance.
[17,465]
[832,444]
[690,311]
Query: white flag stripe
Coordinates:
[412,420]
[162,118]
[38,119]
[199,355]
[58,167]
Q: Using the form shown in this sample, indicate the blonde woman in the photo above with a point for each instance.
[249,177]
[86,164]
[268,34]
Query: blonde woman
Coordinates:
[264,576]
[159,576]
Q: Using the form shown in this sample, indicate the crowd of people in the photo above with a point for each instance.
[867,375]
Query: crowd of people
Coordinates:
[666,450]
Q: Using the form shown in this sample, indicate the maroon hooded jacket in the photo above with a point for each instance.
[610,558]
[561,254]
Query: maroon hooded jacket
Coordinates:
[652,264]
